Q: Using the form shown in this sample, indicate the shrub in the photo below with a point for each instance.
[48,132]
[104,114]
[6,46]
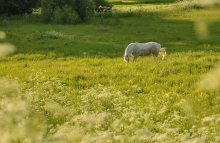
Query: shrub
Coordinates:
[67,11]
[103,8]
[47,14]
[65,15]
[17,7]
[99,3]
[85,9]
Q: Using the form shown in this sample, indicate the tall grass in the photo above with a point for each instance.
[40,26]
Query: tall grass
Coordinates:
[83,100]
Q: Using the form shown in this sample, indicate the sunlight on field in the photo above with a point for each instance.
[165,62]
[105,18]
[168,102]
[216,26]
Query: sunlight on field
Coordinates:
[83,100]
[143,7]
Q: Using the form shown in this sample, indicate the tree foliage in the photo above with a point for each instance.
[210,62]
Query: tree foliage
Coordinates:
[70,11]
[101,3]
[17,7]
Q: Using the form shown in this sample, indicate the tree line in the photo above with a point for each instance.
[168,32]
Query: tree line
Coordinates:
[54,11]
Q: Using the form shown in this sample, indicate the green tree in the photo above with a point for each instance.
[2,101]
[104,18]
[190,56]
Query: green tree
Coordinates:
[17,7]
[70,11]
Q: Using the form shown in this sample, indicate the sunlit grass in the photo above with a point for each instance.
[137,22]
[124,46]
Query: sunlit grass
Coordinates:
[143,7]
[84,99]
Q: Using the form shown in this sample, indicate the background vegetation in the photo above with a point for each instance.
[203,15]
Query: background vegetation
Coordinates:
[17,7]
[69,83]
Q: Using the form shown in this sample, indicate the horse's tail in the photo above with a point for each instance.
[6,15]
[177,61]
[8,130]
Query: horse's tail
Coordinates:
[127,54]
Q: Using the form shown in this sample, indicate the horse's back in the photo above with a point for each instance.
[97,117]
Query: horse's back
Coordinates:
[153,44]
[143,48]
[148,45]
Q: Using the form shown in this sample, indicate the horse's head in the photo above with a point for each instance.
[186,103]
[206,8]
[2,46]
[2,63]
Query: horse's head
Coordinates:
[162,52]
[126,58]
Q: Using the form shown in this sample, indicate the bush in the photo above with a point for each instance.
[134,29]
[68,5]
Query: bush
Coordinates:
[101,3]
[17,7]
[85,9]
[47,14]
[65,15]
[70,11]
[67,11]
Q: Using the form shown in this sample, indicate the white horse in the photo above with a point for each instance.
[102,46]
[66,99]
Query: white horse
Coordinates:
[144,49]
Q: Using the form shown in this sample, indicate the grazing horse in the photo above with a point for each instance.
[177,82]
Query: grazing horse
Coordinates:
[144,49]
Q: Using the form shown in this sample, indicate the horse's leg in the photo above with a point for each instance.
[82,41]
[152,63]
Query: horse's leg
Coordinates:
[155,56]
[135,59]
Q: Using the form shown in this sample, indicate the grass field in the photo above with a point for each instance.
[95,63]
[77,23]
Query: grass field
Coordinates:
[69,83]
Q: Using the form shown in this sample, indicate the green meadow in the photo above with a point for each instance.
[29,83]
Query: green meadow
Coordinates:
[69,83]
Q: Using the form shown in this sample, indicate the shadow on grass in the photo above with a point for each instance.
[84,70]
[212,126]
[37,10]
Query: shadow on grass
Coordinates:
[109,36]
[142,2]
[125,3]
